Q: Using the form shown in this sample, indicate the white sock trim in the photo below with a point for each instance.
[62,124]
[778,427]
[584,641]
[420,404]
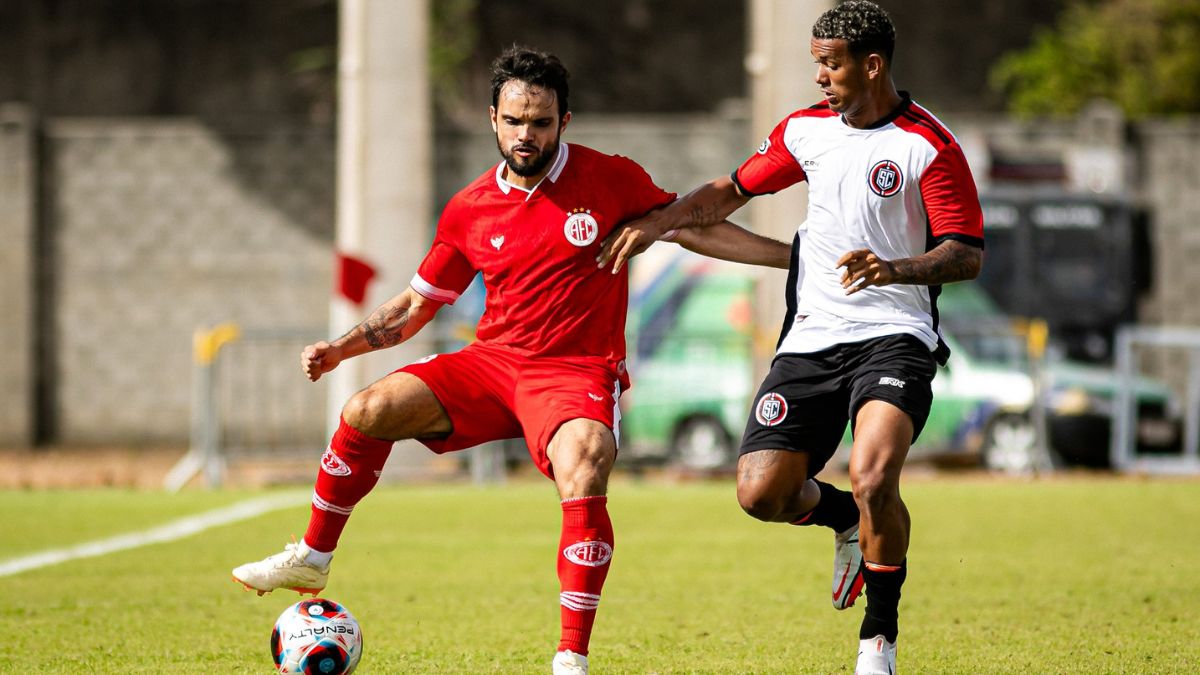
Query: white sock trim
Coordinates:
[318,558]
[570,500]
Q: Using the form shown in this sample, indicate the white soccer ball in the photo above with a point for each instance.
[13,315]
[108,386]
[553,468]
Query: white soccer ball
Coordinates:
[316,637]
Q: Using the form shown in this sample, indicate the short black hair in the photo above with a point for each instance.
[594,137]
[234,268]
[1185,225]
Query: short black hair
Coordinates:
[531,66]
[863,24]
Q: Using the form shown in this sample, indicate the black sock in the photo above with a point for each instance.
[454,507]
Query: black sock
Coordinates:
[836,509]
[883,601]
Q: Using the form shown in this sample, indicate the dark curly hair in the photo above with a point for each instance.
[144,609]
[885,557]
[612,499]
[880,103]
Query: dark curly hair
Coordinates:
[531,66]
[863,24]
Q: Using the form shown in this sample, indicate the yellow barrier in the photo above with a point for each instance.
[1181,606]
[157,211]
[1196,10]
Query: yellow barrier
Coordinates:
[207,343]
[1037,335]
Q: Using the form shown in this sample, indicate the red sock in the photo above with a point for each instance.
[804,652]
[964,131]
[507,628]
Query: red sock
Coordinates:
[350,467]
[585,550]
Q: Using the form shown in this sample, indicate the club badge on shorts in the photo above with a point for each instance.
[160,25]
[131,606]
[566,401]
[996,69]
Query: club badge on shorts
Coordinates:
[581,228]
[771,409]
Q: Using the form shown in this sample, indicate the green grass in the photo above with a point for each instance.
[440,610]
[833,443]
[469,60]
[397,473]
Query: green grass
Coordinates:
[1078,575]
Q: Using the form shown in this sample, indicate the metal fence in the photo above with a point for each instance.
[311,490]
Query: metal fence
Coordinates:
[249,401]
[1127,421]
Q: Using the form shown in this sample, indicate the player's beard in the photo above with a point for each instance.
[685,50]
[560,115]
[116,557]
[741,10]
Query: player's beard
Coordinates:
[532,166]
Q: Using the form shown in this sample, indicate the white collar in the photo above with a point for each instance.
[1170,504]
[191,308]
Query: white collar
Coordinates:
[556,169]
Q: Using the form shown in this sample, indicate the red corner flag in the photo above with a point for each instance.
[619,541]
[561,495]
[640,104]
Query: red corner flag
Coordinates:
[353,275]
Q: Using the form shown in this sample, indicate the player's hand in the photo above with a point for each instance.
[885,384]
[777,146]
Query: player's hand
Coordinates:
[318,359]
[863,270]
[627,241]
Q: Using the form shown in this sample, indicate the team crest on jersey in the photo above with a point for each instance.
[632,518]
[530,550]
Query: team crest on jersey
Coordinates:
[885,178]
[766,145]
[581,228]
[771,409]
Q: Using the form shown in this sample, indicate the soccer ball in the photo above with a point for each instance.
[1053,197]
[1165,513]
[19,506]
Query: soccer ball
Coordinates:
[316,637]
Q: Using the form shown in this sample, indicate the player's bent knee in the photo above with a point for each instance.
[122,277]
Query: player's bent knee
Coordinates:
[582,454]
[363,410]
[373,412]
[584,443]
[758,502]
[873,492]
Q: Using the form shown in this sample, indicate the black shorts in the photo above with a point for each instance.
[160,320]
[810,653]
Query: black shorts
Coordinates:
[806,400]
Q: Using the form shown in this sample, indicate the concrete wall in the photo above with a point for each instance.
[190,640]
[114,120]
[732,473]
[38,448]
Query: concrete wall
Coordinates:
[17,320]
[163,226]
[1170,162]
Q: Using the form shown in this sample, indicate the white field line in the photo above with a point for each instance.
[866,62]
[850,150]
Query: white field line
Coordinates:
[184,527]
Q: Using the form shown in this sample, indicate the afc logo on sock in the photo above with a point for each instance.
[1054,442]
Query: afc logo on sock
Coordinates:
[588,553]
[333,465]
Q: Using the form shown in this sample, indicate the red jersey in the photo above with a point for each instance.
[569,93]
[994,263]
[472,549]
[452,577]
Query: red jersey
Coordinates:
[537,251]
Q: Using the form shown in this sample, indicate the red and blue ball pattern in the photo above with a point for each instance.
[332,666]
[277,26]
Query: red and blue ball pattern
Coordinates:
[316,637]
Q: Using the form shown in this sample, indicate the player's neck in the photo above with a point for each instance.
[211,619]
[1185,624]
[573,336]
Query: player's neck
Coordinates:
[880,104]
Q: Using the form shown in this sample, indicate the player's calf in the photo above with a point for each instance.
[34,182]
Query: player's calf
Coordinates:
[585,551]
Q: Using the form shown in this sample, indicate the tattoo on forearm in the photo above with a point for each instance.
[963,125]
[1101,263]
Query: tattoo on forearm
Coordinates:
[946,263]
[385,327]
[700,215]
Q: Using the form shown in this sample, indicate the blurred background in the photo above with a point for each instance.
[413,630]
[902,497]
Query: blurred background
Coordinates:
[192,190]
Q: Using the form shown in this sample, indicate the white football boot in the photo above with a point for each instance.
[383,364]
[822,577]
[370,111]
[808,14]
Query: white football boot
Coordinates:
[876,656]
[283,570]
[569,663]
[847,568]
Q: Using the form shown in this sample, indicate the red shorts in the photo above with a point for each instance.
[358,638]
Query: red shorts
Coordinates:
[492,393]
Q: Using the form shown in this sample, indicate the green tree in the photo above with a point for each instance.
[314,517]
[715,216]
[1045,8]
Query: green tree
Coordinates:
[1142,54]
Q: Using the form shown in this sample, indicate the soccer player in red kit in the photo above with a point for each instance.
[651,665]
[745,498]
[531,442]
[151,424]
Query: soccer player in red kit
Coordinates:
[893,213]
[549,361]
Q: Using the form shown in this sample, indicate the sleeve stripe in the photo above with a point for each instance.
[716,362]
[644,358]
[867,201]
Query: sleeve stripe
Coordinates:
[432,292]
[742,188]
[928,124]
[977,242]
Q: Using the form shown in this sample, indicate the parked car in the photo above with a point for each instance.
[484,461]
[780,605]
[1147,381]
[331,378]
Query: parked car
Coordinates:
[691,355]
[985,397]
[690,340]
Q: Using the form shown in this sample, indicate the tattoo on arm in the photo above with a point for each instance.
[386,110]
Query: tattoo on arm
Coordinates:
[947,262]
[700,215]
[385,327]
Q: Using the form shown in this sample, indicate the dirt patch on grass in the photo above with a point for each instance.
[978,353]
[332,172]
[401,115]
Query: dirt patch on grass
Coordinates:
[50,468]
[140,468]
[146,468]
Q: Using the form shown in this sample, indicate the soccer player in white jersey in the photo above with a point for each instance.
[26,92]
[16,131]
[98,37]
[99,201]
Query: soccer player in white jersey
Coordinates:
[893,213]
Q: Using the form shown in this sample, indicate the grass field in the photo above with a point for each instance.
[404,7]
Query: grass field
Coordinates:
[1075,575]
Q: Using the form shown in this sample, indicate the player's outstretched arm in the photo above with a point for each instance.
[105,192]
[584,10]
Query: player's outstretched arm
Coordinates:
[947,262]
[726,241]
[706,205]
[390,324]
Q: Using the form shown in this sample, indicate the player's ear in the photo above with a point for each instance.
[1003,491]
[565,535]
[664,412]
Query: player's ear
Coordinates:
[562,122]
[875,65]
[492,115]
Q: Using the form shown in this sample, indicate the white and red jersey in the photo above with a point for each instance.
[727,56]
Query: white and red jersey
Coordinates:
[898,188]
[537,252]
